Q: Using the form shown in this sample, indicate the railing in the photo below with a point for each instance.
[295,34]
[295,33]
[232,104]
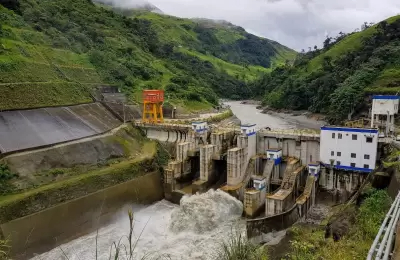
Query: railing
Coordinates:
[297,132]
[381,248]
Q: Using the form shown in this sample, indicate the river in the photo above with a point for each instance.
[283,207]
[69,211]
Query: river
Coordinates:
[194,230]
[248,113]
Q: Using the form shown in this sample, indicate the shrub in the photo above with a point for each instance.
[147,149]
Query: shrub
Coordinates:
[239,248]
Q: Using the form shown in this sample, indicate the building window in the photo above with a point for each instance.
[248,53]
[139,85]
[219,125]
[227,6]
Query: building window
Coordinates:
[352,164]
[337,162]
[354,137]
[340,136]
[369,139]
[366,166]
[339,153]
[353,155]
[333,135]
[332,153]
[366,156]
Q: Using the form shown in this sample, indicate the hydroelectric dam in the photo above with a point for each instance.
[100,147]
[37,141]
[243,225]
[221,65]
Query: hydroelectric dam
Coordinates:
[272,176]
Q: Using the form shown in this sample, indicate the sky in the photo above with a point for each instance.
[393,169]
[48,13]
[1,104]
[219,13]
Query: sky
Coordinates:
[298,24]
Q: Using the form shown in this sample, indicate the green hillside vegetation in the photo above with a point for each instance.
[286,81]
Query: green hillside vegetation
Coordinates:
[55,52]
[336,79]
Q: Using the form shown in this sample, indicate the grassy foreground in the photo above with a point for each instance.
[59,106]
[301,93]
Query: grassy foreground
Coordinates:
[309,243]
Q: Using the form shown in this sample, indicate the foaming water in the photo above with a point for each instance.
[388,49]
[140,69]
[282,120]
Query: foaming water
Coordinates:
[194,230]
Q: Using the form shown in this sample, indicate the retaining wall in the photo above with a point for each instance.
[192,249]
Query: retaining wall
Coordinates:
[22,130]
[257,227]
[89,152]
[49,228]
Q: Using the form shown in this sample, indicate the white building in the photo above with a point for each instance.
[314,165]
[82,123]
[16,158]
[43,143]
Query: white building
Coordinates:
[384,108]
[248,129]
[314,169]
[351,149]
[275,155]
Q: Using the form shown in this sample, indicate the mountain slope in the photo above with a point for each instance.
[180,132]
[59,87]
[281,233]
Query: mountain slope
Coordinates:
[54,52]
[337,79]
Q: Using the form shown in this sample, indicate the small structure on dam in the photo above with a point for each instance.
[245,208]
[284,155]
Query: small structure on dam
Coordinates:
[384,109]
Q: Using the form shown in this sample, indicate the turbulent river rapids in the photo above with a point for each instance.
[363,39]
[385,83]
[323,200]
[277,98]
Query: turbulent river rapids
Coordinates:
[194,230]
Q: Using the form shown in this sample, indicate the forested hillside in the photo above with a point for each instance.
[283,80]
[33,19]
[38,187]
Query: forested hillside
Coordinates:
[338,79]
[54,52]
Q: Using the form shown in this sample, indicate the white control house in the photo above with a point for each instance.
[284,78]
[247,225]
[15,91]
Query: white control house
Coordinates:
[351,149]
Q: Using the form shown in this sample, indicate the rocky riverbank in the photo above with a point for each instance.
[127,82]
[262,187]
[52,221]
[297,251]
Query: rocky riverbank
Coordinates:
[308,114]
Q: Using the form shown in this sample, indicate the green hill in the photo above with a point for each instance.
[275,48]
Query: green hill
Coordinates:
[54,52]
[337,78]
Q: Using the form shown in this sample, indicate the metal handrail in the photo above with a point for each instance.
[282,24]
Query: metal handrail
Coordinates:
[385,237]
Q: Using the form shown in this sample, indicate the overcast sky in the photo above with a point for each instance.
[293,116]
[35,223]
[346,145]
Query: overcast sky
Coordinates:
[297,24]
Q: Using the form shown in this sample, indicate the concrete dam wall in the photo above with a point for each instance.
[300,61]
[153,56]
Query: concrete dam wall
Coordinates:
[85,152]
[49,228]
[27,129]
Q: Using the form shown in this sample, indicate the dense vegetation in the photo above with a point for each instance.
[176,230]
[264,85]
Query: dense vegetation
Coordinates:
[56,51]
[309,243]
[337,78]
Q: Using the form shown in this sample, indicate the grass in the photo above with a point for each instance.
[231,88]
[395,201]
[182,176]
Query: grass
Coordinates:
[239,248]
[4,250]
[46,76]
[308,242]
[387,82]
[194,106]
[43,94]
[212,119]
[228,36]
[16,72]
[170,29]
[249,74]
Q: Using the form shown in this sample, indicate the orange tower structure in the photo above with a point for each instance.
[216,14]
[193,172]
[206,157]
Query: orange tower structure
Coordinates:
[152,106]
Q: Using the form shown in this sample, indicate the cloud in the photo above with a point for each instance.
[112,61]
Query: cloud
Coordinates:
[295,23]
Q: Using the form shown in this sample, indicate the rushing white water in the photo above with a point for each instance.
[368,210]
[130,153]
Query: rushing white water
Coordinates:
[195,230]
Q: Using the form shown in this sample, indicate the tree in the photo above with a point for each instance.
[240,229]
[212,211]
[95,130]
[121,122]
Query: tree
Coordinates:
[12,5]
[327,42]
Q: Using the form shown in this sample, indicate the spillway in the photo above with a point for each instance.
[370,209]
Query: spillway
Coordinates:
[193,230]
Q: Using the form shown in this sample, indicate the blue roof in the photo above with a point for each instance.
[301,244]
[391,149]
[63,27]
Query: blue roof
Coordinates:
[385,97]
[197,123]
[349,129]
[274,150]
[313,164]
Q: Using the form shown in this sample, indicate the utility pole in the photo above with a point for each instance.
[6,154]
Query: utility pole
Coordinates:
[123,110]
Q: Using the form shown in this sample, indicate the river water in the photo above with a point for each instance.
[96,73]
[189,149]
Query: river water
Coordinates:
[247,113]
[194,230]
